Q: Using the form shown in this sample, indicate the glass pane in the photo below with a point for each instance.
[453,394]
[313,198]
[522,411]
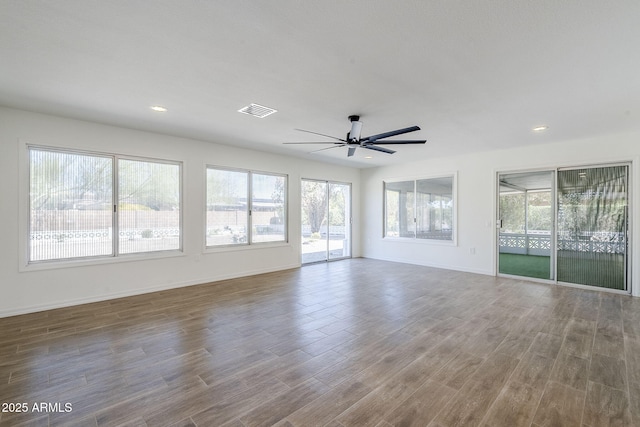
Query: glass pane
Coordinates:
[148,206]
[70,205]
[593,226]
[512,207]
[526,214]
[227,209]
[339,221]
[539,212]
[314,221]
[268,202]
[434,205]
[399,210]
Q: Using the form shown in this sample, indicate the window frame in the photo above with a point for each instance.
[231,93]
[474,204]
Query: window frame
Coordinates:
[417,209]
[115,255]
[250,243]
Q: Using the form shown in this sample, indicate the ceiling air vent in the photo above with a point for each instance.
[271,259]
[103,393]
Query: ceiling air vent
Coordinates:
[257,110]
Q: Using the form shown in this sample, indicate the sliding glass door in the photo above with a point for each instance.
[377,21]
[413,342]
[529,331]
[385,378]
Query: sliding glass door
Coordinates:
[568,225]
[525,215]
[593,226]
[326,220]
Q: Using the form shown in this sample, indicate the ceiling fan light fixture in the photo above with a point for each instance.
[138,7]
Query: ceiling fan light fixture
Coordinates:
[257,110]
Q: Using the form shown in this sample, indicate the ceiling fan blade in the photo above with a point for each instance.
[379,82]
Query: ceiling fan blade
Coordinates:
[370,142]
[322,134]
[399,141]
[376,148]
[373,138]
[327,148]
[317,142]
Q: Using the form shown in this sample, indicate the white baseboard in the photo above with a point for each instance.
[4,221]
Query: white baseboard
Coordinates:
[444,267]
[133,292]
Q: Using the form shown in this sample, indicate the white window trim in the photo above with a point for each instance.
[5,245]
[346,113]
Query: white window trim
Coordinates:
[24,212]
[249,244]
[416,240]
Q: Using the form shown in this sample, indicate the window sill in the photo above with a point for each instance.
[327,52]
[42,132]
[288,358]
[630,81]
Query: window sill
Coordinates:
[244,247]
[71,263]
[421,241]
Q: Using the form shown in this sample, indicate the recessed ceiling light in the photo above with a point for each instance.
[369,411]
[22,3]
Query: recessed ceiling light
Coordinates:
[256,110]
[159,108]
[540,128]
[368,157]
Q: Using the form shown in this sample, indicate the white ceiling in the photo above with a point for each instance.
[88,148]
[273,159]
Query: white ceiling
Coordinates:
[473,74]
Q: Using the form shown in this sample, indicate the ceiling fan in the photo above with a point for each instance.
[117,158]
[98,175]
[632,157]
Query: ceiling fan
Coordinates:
[354,140]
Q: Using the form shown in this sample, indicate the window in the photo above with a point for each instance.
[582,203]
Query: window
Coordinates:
[227,208]
[268,193]
[245,207]
[399,209]
[420,209]
[149,206]
[73,211]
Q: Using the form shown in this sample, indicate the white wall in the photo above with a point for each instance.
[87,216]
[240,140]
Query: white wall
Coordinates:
[25,289]
[32,288]
[476,199]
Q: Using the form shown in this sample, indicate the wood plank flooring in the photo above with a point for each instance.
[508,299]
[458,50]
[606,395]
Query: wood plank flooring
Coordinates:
[351,343]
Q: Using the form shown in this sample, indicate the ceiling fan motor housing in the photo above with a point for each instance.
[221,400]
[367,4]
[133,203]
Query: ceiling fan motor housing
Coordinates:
[356,129]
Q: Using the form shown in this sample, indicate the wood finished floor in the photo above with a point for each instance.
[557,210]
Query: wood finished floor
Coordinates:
[351,343]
